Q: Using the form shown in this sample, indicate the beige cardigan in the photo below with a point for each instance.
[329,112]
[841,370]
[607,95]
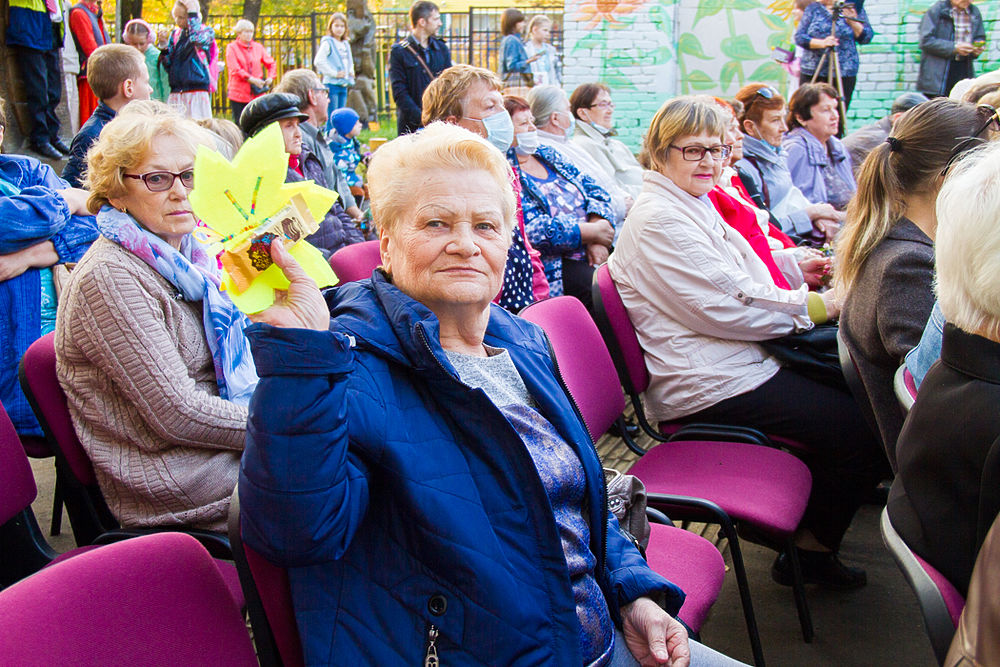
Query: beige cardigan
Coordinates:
[135,365]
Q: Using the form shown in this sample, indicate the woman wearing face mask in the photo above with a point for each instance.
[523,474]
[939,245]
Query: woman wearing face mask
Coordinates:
[593,110]
[565,213]
[764,167]
[554,120]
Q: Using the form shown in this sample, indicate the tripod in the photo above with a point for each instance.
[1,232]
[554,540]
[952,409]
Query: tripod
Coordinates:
[833,76]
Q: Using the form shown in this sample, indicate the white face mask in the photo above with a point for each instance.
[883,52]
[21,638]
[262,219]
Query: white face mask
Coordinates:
[499,130]
[527,143]
[558,123]
[600,128]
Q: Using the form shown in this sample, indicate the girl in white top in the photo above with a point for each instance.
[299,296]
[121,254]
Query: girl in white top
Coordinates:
[334,61]
[545,69]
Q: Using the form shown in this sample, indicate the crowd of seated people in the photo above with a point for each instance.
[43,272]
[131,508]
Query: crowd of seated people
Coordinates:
[498,202]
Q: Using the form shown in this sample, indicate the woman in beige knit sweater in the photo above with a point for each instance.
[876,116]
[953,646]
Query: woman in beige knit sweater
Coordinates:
[151,355]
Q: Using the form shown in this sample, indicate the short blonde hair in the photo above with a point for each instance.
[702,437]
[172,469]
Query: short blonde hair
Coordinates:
[126,141]
[967,243]
[536,20]
[228,134]
[680,117]
[439,146]
[445,96]
[243,24]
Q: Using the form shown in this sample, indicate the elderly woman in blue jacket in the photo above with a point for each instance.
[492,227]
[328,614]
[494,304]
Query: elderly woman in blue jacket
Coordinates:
[566,214]
[43,222]
[413,457]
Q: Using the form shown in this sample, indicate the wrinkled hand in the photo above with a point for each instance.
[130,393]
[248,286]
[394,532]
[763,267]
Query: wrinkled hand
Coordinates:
[827,227]
[816,211]
[815,269]
[597,254]
[652,636]
[76,200]
[301,306]
[964,48]
[849,11]
[826,42]
[597,230]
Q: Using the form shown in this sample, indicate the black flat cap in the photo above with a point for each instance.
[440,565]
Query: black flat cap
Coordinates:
[268,109]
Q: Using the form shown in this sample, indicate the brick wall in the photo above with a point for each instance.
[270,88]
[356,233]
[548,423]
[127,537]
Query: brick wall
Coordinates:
[649,50]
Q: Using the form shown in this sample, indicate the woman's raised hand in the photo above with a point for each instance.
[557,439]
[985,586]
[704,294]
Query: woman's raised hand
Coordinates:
[301,306]
[597,230]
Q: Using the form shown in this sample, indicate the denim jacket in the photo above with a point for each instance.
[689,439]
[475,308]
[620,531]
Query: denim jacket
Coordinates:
[35,215]
[557,235]
[808,159]
[767,168]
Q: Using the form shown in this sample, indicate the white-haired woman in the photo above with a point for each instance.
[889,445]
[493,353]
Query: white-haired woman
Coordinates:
[701,299]
[150,353]
[946,493]
[251,68]
[490,550]
[552,115]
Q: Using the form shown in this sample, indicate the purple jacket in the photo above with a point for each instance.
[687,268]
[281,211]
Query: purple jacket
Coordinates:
[808,159]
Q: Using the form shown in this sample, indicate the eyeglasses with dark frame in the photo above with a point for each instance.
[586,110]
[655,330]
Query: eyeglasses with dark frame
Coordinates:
[968,143]
[603,104]
[697,153]
[161,181]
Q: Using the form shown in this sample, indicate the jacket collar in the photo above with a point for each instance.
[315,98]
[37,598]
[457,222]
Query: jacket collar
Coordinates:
[907,230]
[397,327]
[760,149]
[970,354]
[588,130]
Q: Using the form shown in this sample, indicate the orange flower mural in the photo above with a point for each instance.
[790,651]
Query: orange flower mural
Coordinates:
[596,11]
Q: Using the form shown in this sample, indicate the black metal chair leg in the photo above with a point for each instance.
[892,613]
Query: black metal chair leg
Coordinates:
[799,591]
[57,509]
[744,587]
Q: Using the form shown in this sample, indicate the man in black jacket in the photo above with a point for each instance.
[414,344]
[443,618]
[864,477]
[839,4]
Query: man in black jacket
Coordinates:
[414,62]
[951,37]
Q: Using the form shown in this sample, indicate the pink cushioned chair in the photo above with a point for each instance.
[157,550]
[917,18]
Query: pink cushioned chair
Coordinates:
[940,602]
[356,261]
[710,480]
[23,548]
[269,599]
[905,387]
[154,600]
[752,481]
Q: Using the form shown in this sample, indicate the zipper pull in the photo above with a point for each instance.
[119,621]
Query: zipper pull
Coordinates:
[431,657]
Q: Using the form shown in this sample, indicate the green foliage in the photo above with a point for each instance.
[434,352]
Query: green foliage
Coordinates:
[739,47]
[708,8]
[731,70]
[769,71]
[773,21]
[699,80]
[690,45]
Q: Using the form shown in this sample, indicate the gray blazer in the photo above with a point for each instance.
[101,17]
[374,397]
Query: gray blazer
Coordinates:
[884,315]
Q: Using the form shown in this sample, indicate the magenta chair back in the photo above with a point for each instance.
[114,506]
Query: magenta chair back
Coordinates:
[17,482]
[88,512]
[940,602]
[153,600]
[268,597]
[615,325]
[356,261]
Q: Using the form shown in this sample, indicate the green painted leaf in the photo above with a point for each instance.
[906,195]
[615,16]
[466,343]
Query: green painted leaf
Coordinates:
[769,71]
[688,44]
[744,5]
[772,21]
[779,39]
[730,71]
[622,61]
[708,8]
[587,42]
[617,79]
[663,54]
[700,80]
[739,47]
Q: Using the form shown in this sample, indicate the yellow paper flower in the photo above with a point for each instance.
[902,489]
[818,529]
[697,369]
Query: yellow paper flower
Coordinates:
[233,198]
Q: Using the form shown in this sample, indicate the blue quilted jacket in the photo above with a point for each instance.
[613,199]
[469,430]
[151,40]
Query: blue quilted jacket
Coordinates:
[403,502]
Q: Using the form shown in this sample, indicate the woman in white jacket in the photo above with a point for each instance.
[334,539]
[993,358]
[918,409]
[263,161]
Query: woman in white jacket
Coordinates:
[700,298]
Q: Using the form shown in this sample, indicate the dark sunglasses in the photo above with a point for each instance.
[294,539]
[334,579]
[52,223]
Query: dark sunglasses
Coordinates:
[968,143]
[992,119]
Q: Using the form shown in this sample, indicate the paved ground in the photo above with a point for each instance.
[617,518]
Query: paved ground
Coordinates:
[878,625]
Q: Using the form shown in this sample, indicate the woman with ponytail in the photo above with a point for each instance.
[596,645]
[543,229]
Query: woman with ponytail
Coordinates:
[885,252]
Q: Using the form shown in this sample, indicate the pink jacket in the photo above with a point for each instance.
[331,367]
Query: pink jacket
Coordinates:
[242,62]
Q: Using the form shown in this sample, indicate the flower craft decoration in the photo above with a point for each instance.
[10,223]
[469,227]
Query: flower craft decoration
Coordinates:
[246,203]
